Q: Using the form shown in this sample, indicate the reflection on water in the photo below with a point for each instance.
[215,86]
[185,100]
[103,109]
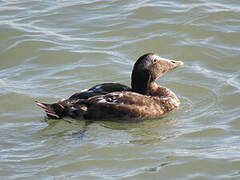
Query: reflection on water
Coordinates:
[143,132]
[51,49]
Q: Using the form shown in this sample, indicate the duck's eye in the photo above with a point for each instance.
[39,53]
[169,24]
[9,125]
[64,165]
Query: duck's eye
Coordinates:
[154,60]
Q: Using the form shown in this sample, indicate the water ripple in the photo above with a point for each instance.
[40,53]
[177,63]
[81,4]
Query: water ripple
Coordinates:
[51,49]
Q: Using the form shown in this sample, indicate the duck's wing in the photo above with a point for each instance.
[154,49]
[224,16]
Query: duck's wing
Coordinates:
[100,89]
[124,104]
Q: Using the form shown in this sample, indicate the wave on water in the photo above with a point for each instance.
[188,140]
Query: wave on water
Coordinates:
[51,49]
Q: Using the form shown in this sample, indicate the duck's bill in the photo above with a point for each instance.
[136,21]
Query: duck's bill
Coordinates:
[173,62]
[177,63]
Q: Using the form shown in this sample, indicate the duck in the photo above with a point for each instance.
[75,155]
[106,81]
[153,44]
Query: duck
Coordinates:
[109,101]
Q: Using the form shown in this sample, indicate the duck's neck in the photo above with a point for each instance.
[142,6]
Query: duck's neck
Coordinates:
[149,88]
[140,82]
[141,88]
[146,87]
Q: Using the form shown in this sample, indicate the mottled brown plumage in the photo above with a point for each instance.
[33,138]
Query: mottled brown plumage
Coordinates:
[145,99]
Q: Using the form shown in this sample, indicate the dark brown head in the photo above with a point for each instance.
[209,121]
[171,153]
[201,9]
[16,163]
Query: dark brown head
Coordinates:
[148,68]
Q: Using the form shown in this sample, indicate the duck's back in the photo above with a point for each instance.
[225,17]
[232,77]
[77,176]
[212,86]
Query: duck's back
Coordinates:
[100,89]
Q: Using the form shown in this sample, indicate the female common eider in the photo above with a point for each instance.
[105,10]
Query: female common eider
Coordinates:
[145,99]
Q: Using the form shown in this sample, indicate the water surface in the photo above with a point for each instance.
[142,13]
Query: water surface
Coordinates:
[51,49]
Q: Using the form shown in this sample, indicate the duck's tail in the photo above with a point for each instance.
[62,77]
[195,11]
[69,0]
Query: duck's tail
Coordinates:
[54,111]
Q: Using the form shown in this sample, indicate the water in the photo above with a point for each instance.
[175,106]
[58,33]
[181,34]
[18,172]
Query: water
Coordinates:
[51,49]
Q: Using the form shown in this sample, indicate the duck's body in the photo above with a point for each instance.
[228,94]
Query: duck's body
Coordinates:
[131,105]
[145,99]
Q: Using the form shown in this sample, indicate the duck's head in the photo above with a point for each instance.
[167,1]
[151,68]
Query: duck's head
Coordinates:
[149,67]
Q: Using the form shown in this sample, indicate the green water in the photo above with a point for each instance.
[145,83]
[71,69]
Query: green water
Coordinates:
[51,49]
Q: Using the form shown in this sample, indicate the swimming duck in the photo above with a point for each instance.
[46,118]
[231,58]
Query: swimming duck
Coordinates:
[145,99]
